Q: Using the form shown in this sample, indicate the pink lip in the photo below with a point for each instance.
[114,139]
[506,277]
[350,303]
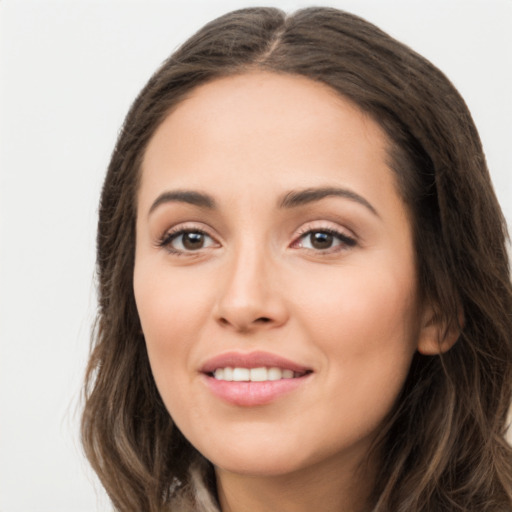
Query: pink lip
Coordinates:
[250,394]
[251,360]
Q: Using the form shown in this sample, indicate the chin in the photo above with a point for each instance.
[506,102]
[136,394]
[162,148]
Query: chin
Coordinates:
[261,458]
[243,465]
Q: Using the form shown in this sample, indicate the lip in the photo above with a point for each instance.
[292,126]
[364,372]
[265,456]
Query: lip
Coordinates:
[251,360]
[251,394]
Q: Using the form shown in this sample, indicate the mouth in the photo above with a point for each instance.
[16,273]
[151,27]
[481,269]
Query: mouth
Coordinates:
[260,374]
[257,378]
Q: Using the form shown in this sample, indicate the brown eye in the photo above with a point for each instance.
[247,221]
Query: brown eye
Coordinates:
[325,240]
[321,240]
[192,241]
[186,241]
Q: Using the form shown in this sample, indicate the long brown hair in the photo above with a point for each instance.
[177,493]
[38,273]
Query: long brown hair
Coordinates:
[444,443]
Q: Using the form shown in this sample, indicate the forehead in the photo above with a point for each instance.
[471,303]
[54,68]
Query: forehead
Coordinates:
[262,129]
[275,110]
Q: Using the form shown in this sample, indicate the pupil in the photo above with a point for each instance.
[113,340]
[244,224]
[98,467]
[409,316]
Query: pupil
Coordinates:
[321,240]
[193,240]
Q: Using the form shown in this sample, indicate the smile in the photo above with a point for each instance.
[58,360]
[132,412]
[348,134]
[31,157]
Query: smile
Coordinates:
[253,379]
[260,374]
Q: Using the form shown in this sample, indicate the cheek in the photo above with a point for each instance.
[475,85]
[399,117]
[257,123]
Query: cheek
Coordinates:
[366,331]
[169,301]
[171,310]
[366,325]
[358,297]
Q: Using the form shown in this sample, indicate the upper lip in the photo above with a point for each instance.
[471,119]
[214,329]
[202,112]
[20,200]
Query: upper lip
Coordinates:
[256,359]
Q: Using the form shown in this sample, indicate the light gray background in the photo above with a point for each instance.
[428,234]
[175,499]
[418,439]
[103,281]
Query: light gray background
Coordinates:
[68,72]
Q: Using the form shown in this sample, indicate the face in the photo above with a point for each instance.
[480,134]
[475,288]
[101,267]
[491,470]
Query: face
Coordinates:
[274,274]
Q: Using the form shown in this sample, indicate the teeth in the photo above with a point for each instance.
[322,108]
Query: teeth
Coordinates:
[241,374]
[258,374]
[253,374]
[275,374]
[287,374]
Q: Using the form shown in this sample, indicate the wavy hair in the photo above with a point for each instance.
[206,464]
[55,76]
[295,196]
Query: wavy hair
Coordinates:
[444,442]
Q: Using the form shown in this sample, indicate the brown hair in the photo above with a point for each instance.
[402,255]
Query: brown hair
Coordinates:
[444,443]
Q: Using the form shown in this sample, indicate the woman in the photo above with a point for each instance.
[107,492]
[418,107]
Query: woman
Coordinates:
[303,282]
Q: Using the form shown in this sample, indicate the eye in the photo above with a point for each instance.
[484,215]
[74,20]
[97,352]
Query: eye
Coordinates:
[324,240]
[187,240]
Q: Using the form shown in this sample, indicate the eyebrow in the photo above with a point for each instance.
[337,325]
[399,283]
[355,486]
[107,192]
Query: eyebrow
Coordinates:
[292,199]
[184,196]
[309,195]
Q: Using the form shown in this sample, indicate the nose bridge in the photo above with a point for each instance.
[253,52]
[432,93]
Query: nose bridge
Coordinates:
[249,296]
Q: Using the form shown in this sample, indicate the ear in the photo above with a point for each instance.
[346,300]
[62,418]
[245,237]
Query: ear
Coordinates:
[437,334]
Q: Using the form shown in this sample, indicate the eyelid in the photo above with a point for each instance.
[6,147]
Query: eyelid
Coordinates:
[169,235]
[327,225]
[347,237]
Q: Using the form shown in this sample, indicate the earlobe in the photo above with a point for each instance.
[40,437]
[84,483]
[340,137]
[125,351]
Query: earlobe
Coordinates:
[438,335]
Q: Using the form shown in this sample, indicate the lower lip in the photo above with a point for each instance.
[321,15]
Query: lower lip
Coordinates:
[250,394]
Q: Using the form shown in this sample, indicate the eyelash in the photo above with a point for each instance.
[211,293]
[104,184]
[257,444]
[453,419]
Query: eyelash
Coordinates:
[170,236]
[346,241]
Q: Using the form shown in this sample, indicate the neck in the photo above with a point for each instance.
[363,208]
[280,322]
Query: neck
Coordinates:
[327,489]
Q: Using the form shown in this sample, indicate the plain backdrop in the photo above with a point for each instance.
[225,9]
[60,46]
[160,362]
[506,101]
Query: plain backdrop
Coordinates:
[68,73]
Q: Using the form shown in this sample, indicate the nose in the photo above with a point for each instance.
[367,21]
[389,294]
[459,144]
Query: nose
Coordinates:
[250,297]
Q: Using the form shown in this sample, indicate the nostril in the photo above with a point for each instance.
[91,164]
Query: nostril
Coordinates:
[244,325]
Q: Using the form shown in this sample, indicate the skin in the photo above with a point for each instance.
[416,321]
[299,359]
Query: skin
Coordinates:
[350,312]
